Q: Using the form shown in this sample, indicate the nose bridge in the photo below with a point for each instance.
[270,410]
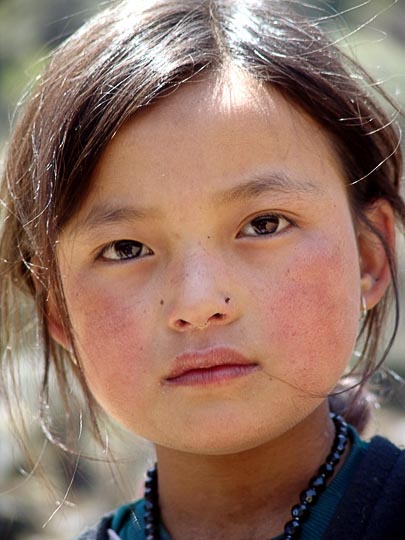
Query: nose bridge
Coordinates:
[199,289]
[197,276]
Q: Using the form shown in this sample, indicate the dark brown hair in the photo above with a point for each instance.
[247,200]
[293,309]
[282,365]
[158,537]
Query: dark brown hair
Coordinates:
[126,58]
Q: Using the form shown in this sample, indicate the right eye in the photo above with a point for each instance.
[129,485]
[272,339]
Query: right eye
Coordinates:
[123,250]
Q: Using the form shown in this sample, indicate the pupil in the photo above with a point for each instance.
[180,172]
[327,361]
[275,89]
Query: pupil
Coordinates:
[265,225]
[128,249]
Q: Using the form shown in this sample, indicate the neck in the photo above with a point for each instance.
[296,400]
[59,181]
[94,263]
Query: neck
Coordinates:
[243,495]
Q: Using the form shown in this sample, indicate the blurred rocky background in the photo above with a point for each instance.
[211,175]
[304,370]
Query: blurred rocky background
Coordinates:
[78,491]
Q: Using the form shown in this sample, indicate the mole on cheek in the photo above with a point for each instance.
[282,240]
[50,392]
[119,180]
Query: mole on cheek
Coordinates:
[162,302]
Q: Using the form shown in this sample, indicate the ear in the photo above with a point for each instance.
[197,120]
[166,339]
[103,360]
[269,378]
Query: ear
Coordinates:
[56,327]
[53,318]
[374,260]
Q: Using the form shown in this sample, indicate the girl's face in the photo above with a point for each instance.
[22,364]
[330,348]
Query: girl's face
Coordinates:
[212,275]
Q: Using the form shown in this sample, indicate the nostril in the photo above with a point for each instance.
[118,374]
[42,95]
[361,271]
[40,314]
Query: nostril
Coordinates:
[184,324]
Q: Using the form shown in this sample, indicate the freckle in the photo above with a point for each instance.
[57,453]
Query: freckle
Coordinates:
[162,302]
[209,237]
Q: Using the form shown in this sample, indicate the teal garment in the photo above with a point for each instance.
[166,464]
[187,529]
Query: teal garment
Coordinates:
[128,521]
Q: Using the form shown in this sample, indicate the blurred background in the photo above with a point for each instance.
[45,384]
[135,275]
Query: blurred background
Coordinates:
[78,491]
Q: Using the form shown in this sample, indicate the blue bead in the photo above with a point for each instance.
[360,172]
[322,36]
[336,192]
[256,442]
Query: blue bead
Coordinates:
[333,458]
[292,527]
[326,470]
[149,482]
[309,496]
[340,447]
[318,482]
[300,511]
[151,472]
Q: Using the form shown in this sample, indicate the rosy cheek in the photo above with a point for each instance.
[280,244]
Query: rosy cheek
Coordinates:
[312,314]
[110,330]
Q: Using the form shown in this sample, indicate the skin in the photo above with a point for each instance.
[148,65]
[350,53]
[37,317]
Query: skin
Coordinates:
[294,297]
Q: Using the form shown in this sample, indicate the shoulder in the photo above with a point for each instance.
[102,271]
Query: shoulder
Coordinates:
[383,466]
[373,503]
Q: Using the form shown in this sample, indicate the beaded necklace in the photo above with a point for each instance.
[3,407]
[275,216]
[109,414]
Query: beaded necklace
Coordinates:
[299,512]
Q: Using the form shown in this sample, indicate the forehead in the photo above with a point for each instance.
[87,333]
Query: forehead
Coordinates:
[208,134]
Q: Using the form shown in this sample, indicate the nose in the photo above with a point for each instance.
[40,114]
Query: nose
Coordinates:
[201,297]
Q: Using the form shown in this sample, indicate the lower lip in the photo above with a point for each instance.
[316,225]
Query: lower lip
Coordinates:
[214,375]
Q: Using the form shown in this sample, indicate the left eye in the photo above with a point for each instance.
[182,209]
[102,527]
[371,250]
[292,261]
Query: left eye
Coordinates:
[264,225]
[123,250]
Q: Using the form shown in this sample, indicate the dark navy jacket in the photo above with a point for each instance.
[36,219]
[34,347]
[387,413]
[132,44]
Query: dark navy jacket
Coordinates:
[373,507]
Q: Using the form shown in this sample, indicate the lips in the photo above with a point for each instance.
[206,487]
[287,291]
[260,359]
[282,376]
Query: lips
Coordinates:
[209,366]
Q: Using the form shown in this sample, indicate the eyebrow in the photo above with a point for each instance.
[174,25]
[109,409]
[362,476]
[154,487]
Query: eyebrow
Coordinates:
[262,183]
[109,213]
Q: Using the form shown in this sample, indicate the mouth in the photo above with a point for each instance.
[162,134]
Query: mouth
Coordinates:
[210,366]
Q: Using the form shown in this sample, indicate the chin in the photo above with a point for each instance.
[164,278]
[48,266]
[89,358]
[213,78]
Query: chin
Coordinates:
[233,438]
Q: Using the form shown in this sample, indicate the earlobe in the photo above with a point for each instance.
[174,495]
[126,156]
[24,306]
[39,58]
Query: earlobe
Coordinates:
[375,246]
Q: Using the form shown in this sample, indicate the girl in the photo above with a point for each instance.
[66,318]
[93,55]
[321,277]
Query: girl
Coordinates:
[200,199]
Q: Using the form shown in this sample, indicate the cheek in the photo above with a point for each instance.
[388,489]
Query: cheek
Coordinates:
[111,331]
[313,320]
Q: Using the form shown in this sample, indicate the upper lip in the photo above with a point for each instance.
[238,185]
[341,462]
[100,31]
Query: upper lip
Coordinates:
[206,359]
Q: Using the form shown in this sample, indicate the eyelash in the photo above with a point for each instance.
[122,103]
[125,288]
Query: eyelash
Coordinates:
[128,245]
